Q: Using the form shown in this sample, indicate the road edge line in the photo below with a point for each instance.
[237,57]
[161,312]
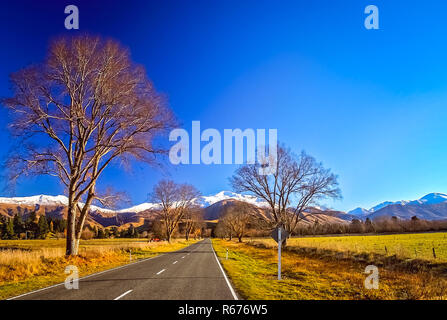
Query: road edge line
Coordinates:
[94,274]
[224,274]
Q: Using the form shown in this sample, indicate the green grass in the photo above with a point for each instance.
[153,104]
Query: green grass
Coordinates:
[405,246]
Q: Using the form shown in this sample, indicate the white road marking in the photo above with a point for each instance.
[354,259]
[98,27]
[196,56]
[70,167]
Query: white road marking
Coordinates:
[183,257]
[160,271]
[225,276]
[174,262]
[127,292]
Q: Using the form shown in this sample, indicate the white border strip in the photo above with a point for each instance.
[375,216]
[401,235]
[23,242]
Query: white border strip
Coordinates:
[161,271]
[98,273]
[125,293]
[225,276]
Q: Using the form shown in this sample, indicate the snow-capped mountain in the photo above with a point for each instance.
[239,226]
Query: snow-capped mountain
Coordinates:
[39,199]
[202,201]
[359,212]
[205,201]
[44,200]
[61,200]
[429,199]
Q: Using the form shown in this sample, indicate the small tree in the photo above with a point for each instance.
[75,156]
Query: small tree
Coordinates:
[357,226]
[369,226]
[100,234]
[8,229]
[31,224]
[2,226]
[19,225]
[175,200]
[114,232]
[131,231]
[237,219]
[193,221]
[42,227]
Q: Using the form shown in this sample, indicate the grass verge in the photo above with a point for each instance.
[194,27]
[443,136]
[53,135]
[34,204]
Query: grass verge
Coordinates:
[253,271]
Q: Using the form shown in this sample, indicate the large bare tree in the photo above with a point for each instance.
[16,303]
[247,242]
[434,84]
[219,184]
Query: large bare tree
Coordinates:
[175,200]
[296,183]
[85,107]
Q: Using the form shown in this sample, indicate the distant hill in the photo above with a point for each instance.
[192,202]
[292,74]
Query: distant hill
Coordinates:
[436,211]
[432,206]
[333,213]
[217,210]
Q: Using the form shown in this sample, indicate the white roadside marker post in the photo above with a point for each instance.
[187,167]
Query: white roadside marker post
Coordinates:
[279,253]
[279,234]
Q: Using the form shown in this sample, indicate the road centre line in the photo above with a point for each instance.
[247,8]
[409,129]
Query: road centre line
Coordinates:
[125,293]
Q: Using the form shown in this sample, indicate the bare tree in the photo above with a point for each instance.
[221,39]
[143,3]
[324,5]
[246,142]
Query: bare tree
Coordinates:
[193,221]
[297,183]
[175,200]
[220,229]
[85,107]
[237,219]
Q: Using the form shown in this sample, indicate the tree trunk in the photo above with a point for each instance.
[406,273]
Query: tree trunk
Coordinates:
[169,237]
[240,238]
[187,236]
[82,217]
[71,248]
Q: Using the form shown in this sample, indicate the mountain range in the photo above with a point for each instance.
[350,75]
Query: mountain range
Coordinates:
[433,206]
[56,207]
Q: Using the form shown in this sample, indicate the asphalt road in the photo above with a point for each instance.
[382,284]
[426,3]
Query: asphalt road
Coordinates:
[192,273]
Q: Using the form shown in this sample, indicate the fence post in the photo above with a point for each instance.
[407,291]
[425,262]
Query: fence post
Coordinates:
[434,253]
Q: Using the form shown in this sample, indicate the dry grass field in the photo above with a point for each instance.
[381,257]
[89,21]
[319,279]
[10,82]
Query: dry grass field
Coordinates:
[26,265]
[334,267]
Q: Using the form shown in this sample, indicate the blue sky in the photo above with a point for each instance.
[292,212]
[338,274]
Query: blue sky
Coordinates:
[369,104]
